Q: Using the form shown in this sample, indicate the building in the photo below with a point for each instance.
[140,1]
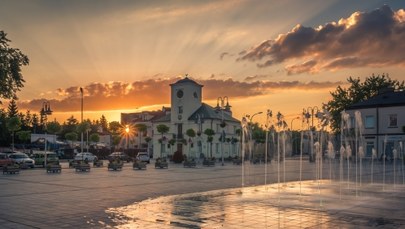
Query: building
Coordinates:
[383,119]
[187,112]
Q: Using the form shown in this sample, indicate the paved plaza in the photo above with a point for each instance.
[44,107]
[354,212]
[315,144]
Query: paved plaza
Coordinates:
[171,198]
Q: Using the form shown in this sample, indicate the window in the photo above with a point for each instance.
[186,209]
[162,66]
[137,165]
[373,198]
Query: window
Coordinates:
[392,120]
[180,110]
[369,149]
[369,122]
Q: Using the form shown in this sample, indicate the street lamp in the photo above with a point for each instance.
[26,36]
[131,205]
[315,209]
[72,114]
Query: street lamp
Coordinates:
[81,119]
[127,134]
[45,111]
[221,108]
[293,121]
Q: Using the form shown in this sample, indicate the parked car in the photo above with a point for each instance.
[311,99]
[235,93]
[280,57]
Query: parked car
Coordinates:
[121,155]
[22,159]
[39,157]
[5,160]
[143,156]
[85,156]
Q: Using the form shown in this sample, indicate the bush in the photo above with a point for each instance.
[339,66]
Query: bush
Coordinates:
[178,157]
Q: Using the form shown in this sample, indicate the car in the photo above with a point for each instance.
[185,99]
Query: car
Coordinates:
[39,157]
[143,156]
[85,156]
[121,155]
[5,160]
[22,159]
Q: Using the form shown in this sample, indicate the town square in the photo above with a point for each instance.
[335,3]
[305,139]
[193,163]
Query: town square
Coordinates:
[202,114]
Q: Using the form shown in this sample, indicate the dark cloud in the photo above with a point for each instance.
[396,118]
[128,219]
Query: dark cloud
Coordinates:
[120,95]
[373,38]
[307,66]
[256,77]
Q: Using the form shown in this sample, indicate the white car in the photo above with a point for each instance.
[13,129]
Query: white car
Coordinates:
[143,156]
[22,159]
[85,156]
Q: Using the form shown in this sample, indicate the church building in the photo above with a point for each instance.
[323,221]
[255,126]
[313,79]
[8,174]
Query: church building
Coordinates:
[187,115]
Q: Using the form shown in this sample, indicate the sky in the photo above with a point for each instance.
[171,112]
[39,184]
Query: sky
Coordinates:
[285,56]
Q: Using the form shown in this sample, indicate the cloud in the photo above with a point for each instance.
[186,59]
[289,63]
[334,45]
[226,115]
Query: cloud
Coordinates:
[307,66]
[256,77]
[373,39]
[120,95]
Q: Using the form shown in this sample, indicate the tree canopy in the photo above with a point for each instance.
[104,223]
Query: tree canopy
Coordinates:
[11,61]
[358,91]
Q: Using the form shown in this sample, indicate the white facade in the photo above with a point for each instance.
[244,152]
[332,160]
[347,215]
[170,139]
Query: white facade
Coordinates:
[383,122]
[189,112]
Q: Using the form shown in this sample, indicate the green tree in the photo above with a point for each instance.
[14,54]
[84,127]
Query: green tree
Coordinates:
[70,125]
[4,132]
[141,128]
[358,91]
[71,136]
[53,127]
[103,123]
[11,61]
[114,127]
[95,137]
[13,125]
[116,140]
[210,136]
[24,136]
[162,129]
[12,109]
[34,123]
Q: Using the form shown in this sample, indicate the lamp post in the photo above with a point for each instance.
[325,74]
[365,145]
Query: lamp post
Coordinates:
[293,121]
[126,135]
[45,111]
[223,124]
[199,132]
[81,119]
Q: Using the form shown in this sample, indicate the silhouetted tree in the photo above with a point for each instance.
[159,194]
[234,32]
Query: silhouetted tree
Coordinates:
[12,110]
[13,125]
[11,60]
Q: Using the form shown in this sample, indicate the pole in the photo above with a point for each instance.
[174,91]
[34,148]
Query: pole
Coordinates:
[81,119]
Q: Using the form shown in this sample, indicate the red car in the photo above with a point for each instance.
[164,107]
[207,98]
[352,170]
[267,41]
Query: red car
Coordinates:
[5,160]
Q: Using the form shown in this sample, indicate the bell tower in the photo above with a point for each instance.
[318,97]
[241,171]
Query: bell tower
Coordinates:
[185,99]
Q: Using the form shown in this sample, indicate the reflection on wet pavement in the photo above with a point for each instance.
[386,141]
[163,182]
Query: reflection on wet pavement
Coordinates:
[291,205]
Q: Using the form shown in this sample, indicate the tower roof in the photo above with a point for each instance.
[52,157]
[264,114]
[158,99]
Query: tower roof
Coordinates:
[186,80]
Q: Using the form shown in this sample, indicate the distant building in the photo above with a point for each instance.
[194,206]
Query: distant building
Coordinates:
[383,118]
[187,111]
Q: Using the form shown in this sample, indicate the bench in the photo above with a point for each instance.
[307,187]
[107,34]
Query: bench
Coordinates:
[98,164]
[209,162]
[82,167]
[53,168]
[139,165]
[115,166]
[11,169]
[190,163]
[161,164]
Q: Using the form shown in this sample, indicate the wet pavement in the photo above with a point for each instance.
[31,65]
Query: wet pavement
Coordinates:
[181,197]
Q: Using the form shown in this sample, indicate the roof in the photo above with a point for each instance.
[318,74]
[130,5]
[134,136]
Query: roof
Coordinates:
[186,80]
[388,99]
[164,118]
[207,112]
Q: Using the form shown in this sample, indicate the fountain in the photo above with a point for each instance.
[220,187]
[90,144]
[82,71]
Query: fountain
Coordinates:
[324,194]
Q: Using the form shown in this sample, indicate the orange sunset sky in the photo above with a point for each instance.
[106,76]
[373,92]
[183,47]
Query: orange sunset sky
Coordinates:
[278,55]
